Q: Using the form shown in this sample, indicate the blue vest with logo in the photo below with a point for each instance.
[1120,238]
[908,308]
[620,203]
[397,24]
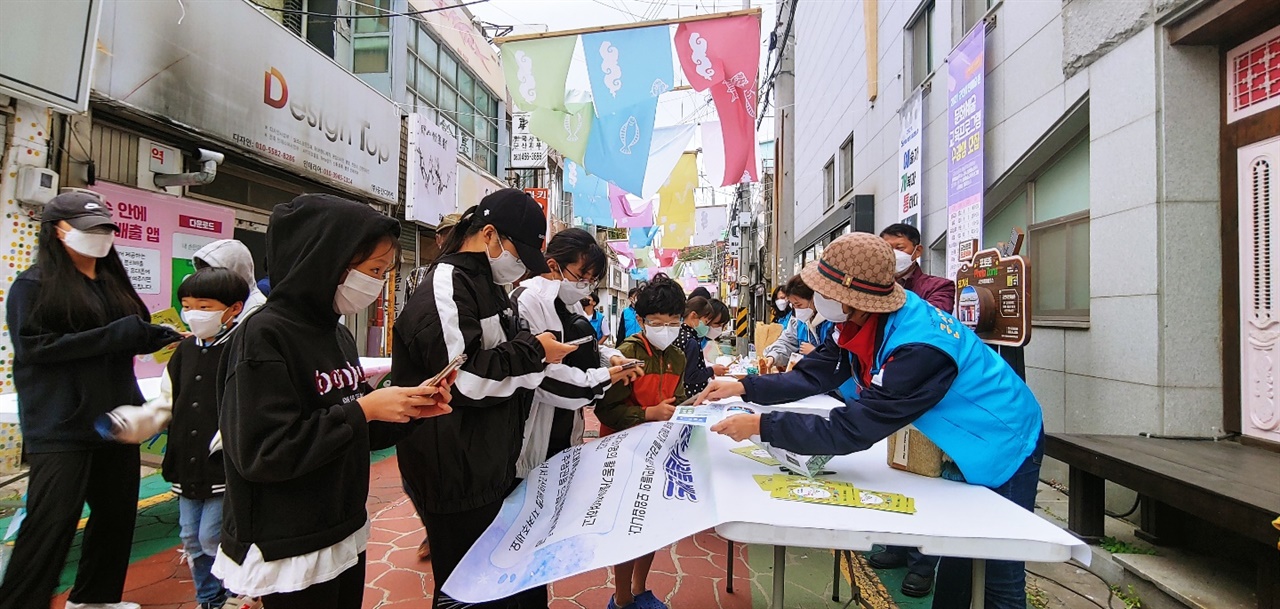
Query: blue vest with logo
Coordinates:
[988,422]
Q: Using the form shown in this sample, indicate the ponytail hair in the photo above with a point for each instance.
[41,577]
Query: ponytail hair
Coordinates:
[465,227]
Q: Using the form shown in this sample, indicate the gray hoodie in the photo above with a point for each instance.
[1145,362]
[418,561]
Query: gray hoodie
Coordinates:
[232,254]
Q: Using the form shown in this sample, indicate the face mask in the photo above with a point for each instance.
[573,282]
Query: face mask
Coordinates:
[571,293]
[204,324]
[702,329]
[661,338]
[904,261]
[804,314]
[831,310]
[93,245]
[356,293]
[506,267]
[781,303]
[714,333]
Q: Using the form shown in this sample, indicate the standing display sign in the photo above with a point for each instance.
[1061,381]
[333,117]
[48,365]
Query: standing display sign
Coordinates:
[993,294]
[431,178]
[909,150]
[966,85]
[159,235]
[527,151]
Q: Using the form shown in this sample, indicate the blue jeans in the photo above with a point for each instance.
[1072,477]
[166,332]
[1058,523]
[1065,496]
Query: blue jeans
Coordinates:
[1006,580]
[201,524]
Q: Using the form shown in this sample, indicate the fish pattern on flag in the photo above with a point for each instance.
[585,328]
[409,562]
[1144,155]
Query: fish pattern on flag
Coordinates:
[536,71]
[723,56]
[566,130]
[625,215]
[676,203]
[628,67]
[618,146]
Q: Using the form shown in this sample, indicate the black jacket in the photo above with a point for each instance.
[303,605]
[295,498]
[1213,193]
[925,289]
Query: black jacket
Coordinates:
[295,440]
[466,459]
[193,374]
[65,381]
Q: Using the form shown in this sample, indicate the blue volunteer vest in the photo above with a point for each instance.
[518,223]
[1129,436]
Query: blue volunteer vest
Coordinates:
[988,422]
[808,336]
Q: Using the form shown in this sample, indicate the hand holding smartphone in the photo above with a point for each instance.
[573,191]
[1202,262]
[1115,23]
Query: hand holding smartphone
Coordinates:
[449,369]
[580,341]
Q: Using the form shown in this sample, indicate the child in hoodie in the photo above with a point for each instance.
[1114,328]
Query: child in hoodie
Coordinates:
[234,255]
[298,419]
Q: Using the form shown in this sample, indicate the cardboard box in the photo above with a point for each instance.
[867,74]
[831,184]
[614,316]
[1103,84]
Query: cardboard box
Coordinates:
[911,451]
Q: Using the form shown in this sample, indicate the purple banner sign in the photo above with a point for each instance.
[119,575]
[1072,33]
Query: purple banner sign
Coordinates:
[966,83]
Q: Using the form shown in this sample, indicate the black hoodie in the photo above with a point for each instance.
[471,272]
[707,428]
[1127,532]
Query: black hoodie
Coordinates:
[295,440]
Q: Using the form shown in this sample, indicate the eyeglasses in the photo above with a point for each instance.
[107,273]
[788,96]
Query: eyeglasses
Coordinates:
[654,324]
[578,281]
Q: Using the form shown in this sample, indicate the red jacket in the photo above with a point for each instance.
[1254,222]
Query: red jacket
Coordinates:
[937,291]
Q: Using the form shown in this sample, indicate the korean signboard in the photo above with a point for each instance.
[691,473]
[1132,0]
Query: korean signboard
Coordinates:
[278,99]
[909,162]
[527,151]
[966,85]
[431,179]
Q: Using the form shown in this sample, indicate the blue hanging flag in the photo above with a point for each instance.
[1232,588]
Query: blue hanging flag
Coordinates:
[618,145]
[628,67]
[590,195]
[642,237]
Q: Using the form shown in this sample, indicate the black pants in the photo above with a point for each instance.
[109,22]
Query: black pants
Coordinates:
[450,536]
[61,483]
[346,591]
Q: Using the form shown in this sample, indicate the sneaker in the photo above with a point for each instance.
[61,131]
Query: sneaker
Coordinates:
[241,602]
[614,605]
[120,605]
[424,550]
[887,559]
[646,600]
[916,585]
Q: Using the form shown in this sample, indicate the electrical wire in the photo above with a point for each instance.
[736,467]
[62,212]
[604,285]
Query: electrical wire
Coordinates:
[1136,503]
[384,15]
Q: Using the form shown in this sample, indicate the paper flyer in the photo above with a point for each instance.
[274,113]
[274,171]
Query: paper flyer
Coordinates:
[757,454]
[832,492]
[707,415]
[171,318]
[805,465]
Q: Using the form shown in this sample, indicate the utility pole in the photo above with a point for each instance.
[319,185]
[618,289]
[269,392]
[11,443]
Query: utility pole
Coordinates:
[784,144]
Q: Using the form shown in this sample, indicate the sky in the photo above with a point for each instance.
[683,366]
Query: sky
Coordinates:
[684,107]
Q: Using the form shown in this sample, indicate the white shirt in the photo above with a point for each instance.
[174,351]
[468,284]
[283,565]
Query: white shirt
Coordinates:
[257,576]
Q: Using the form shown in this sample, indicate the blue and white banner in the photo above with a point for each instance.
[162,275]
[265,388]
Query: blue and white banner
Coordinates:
[628,67]
[618,145]
[590,195]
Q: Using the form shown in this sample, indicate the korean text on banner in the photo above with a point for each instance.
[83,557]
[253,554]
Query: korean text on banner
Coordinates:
[159,235]
[527,151]
[966,83]
[676,203]
[724,55]
[909,150]
[278,99]
[536,71]
[431,179]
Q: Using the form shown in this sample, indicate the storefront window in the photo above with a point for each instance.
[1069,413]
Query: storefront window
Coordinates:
[370,54]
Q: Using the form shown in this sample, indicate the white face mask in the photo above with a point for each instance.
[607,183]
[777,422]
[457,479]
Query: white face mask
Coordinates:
[903,261]
[661,338]
[571,293]
[204,324]
[804,314]
[506,267]
[357,292]
[831,310]
[781,303]
[93,245]
[714,333]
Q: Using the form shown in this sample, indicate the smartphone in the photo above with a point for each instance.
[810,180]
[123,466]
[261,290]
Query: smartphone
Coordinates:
[635,363]
[453,365]
[580,341]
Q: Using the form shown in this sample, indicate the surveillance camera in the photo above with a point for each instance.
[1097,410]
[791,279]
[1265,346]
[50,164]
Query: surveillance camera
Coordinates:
[209,155]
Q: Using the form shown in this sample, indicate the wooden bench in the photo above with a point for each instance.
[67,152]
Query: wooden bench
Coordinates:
[1226,484]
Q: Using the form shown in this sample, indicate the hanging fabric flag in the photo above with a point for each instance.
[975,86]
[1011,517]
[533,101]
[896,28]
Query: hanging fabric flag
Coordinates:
[618,145]
[626,215]
[667,256]
[628,67]
[623,250]
[669,144]
[639,274]
[676,203]
[723,55]
[536,71]
[642,237]
[644,257]
[590,195]
[565,131]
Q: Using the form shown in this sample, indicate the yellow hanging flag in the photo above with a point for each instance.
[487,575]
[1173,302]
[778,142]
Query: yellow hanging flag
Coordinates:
[676,202]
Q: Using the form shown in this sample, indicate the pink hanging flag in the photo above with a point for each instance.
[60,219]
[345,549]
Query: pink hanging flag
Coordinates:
[624,215]
[723,55]
[623,248]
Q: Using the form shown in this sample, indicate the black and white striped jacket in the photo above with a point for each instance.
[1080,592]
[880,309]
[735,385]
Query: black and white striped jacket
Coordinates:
[465,459]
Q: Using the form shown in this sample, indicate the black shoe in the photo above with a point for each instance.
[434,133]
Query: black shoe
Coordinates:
[886,559]
[916,585]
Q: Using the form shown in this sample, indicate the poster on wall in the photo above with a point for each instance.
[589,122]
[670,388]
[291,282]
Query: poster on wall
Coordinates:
[909,150]
[431,178]
[966,82]
[159,235]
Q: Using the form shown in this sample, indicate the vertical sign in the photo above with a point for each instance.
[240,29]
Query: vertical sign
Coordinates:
[965,94]
[543,197]
[432,175]
[909,162]
[527,151]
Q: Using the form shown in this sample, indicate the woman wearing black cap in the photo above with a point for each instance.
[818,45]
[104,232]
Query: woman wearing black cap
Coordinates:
[459,468]
[76,324]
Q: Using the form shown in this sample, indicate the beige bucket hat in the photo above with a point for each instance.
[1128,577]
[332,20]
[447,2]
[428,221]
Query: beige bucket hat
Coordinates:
[858,270]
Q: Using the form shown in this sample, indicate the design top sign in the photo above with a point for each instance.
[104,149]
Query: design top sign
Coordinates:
[993,298]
